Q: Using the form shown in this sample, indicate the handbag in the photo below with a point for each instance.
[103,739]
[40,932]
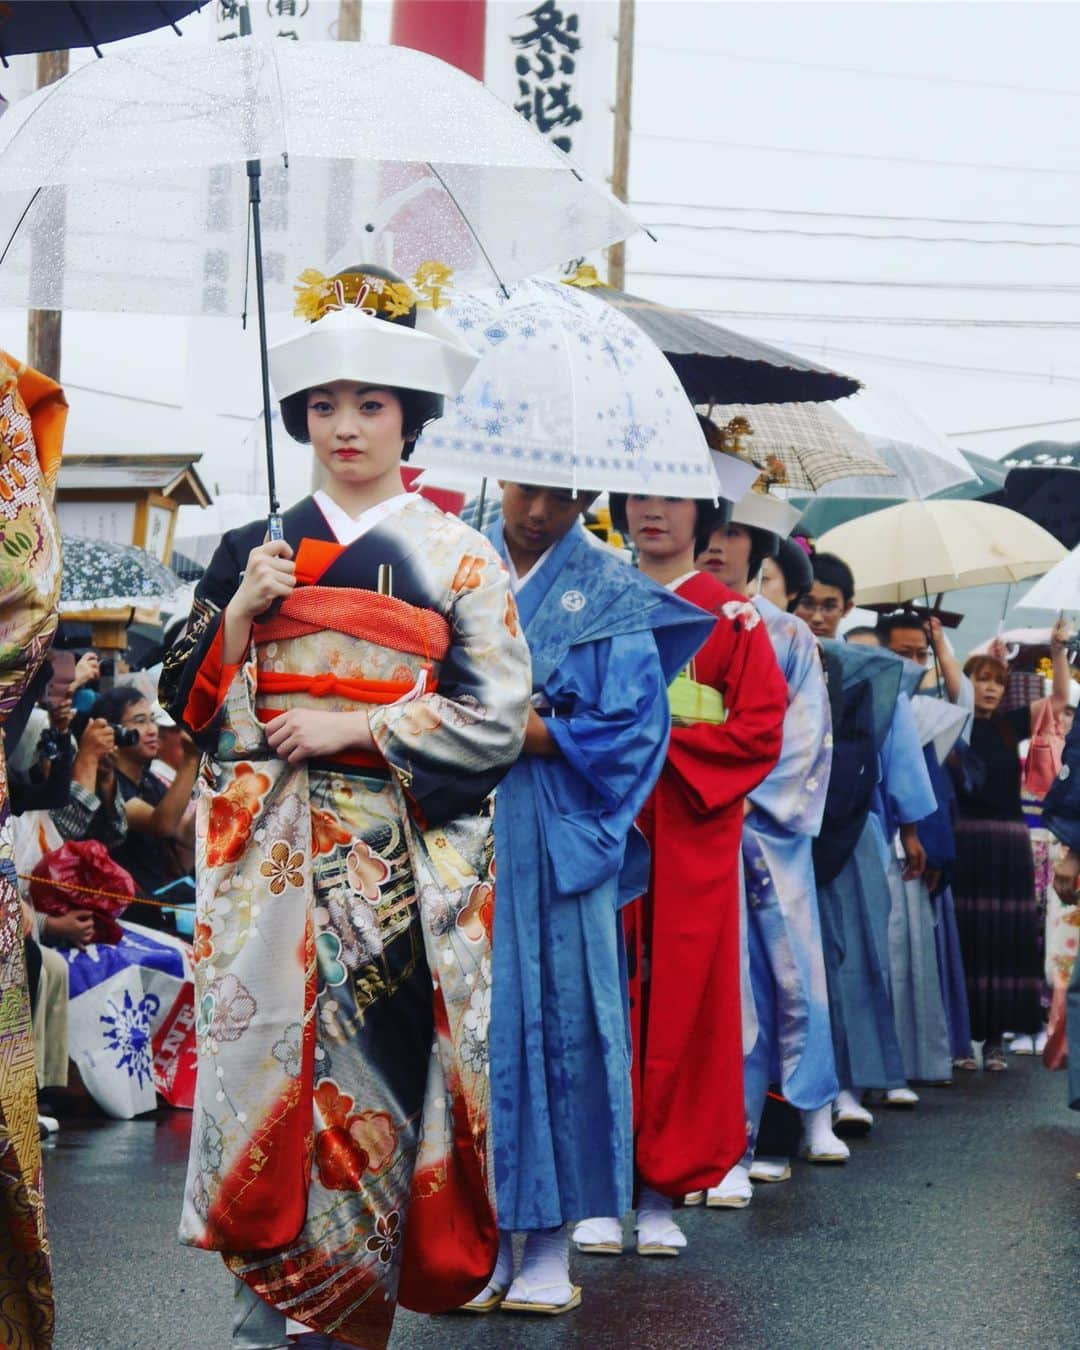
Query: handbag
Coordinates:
[1044,753]
[691,702]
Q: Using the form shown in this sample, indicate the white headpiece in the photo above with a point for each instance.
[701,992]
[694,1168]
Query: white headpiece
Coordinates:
[765,512]
[345,340]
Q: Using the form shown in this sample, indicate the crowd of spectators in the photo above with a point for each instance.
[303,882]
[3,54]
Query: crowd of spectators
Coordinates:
[93,757]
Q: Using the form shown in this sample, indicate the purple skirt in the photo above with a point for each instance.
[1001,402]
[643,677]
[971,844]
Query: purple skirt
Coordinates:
[998,922]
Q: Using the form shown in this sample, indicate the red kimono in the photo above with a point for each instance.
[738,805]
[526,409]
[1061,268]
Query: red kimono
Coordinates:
[683,935]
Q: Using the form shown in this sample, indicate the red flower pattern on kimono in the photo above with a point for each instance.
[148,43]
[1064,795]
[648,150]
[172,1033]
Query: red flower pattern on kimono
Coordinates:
[350,1145]
[478,916]
[231,815]
[326,832]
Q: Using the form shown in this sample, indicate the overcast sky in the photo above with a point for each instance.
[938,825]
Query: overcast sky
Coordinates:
[887,187]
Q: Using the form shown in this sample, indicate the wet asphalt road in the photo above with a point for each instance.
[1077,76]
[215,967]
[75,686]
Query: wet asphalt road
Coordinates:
[957,1225]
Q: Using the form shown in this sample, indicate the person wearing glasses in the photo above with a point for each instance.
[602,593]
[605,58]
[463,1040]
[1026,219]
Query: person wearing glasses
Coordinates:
[158,821]
[878,791]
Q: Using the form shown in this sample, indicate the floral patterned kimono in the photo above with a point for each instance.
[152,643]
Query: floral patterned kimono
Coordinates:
[342,941]
[32,416]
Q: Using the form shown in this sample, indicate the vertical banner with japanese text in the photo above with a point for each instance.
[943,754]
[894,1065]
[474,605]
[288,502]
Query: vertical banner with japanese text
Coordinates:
[554,62]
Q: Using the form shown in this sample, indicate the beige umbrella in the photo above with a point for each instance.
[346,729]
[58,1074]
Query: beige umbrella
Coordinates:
[920,548]
[799,446]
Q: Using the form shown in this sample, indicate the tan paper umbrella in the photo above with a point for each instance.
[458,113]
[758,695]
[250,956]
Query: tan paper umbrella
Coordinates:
[921,548]
[800,446]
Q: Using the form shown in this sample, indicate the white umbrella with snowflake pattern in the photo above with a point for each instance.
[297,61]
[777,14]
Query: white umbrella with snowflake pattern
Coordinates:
[568,393]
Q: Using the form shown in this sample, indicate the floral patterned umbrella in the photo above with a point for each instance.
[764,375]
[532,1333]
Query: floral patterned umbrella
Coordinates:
[568,393]
[100,575]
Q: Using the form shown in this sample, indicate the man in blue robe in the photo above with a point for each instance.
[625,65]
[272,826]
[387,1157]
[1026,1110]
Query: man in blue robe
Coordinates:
[875,790]
[605,642]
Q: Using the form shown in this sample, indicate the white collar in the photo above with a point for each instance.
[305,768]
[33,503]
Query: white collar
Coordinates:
[518,583]
[346,529]
[674,585]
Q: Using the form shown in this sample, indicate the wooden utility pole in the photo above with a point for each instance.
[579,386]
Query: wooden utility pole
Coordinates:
[620,159]
[43,325]
[348,24]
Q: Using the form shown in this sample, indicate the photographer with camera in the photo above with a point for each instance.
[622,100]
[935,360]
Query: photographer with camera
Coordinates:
[159,825]
[94,809]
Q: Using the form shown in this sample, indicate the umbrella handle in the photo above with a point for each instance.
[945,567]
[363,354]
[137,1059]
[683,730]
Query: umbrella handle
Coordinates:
[275,530]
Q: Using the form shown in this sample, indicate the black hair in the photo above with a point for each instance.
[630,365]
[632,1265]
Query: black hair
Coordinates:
[710,516]
[833,571]
[112,703]
[763,544]
[863,630]
[908,619]
[418,406]
[795,568]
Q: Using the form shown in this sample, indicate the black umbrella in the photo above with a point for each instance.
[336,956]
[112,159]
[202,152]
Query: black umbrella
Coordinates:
[187,569]
[1050,496]
[52,25]
[716,365]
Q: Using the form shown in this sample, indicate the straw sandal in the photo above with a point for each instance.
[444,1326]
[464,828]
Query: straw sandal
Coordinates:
[539,1306]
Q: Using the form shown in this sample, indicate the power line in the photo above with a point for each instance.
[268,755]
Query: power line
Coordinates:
[855,154]
[1021,426]
[724,228]
[1017,287]
[713,54]
[900,320]
[149,402]
[855,215]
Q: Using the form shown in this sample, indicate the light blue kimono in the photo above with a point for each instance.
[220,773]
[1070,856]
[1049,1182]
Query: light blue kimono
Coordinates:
[605,641]
[787,968]
[855,902]
[906,794]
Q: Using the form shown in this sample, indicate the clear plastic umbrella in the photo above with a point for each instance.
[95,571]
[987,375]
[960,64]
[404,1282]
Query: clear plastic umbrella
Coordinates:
[102,575]
[569,393]
[125,185]
[1059,589]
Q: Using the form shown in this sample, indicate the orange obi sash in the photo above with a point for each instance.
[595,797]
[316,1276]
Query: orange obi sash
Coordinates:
[380,619]
[330,686]
[379,692]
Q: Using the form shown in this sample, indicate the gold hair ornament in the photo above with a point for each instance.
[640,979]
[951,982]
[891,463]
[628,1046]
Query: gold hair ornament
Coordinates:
[317,294]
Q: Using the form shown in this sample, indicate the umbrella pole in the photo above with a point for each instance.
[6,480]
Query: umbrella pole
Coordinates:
[479,526]
[274,528]
[933,649]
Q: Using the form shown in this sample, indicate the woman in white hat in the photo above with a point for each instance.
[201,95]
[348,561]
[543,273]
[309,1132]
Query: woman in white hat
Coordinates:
[361,686]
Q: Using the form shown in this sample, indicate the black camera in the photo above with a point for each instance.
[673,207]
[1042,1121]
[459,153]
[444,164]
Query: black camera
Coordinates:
[50,745]
[125,736]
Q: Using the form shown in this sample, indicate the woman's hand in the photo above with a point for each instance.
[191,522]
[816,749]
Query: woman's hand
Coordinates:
[914,853]
[998,650]
[1059,635]
[307,733]
[270,575]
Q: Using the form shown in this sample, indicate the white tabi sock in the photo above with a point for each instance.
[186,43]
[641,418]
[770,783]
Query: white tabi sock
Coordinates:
[599,1232]
[734,1187]
[655,1226]
[848,1104]
[819,1141]
[544,1276]
[503,1272]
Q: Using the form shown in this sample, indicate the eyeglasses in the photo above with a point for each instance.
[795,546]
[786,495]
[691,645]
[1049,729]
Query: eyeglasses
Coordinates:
[140,720]
[808,606]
